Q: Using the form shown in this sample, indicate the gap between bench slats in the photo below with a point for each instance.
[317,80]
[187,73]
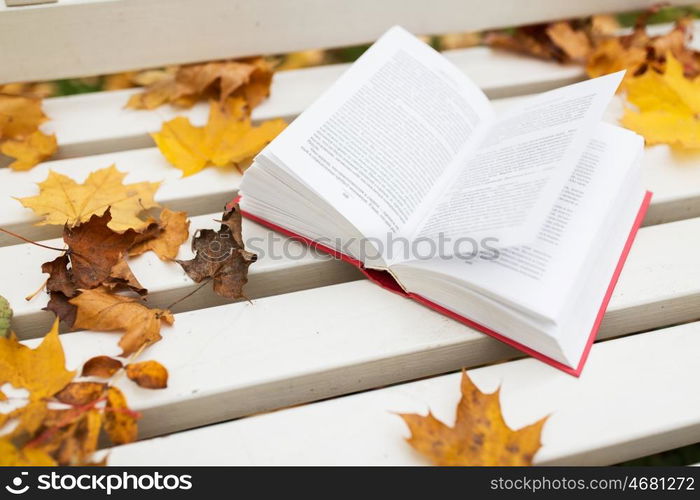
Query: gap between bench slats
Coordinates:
[243,358]
[634,398]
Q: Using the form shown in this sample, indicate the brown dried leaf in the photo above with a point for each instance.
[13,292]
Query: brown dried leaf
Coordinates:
[574,43]
[101,366]
[100,310]
[219,255]
[248,78]
[531,40]
[479,436]
[119,421]
[95,250]
[96,255]
[174,232]
[64,310]
[148,374]
[638,51]
[60,277]
[81,393]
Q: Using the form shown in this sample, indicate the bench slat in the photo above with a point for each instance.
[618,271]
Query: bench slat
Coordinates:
[275,272]
[654,291]
[84,37]
[633,399]
[243,358]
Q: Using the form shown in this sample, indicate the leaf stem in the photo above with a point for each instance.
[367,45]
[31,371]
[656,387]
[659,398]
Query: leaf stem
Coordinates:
[38,291]
[201,285]
[27,240]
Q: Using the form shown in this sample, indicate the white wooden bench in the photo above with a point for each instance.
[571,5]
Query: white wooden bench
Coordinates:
[315,330]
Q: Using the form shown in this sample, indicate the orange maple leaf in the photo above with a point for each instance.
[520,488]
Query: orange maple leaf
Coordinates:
[480,436]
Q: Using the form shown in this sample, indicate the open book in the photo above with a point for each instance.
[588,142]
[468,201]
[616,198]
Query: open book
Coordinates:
[516,222]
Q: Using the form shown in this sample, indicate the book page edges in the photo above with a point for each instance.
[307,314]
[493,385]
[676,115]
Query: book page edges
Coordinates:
[385,279]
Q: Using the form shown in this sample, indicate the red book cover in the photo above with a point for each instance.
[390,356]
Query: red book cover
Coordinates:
[385,280]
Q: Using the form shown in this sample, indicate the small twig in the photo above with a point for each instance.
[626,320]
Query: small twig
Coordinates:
[27,240]
[189,294]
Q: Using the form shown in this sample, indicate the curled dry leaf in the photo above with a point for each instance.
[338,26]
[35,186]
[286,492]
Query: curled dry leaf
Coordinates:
[479,436]
[638,50]
[220,256]
[228,138]
[63,201]
[248,78]
[101,366]
[81,393]
[561,41]
[60,277]
[5,317]
[98,309]
[148,374]
[166,244]
[119,421]
[575,44]
[667,106]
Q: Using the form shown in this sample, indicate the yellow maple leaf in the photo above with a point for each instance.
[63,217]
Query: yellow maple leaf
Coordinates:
[63,201]
[120,422]
[480,436]
[228,138]
[11,456]
[40,371]
[667,106]
[19,116]
[30,150]
[611,56]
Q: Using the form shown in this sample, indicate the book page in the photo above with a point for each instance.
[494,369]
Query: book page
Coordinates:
[380,139]
[506,188]
[538,276]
